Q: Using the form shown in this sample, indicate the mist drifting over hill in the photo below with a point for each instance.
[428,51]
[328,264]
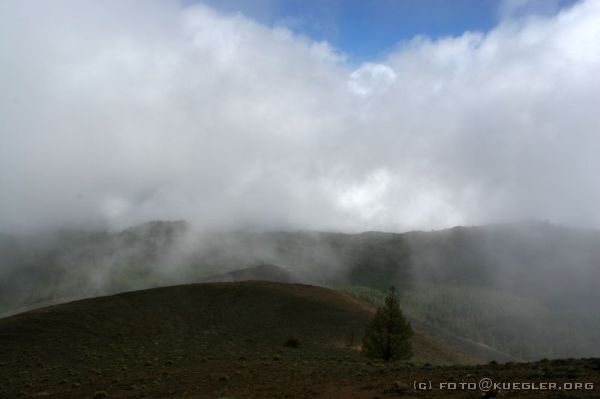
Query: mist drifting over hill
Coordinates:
[528,290]
[269,147]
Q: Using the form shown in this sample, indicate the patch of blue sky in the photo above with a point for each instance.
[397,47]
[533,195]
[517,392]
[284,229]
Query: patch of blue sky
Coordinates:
[367,30]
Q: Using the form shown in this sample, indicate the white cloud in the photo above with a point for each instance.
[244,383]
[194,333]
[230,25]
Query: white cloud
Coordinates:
[365,199]
[371,78]
[123,111]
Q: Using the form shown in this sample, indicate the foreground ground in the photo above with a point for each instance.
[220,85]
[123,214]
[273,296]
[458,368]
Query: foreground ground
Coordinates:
[285,376]
[229,340]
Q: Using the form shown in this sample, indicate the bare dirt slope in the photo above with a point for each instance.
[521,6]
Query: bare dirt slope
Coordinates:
[220,340]
[200,340]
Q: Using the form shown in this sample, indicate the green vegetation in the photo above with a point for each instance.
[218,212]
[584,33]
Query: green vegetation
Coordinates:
[498,319]
[388,335]
[377,259]
[513,324]
[502,320]
[370,295]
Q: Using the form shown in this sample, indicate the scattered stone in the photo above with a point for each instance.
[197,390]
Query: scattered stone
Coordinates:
[492,394]
[400,387]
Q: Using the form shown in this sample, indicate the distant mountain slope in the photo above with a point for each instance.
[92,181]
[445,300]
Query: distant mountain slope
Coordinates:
[258,273]
[474,349]
[189,329]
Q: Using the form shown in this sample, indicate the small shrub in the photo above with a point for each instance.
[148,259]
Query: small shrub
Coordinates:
[292,342]
[100,395]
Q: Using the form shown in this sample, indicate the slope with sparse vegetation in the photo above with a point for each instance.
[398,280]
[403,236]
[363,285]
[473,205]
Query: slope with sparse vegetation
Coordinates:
[201,338]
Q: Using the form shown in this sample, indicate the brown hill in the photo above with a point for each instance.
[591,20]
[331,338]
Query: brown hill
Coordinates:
[199,338]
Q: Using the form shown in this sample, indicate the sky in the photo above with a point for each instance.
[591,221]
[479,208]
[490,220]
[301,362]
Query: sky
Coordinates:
[360,116]
[365,30]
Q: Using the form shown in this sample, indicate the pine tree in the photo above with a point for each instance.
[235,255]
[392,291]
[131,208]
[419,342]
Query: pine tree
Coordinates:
[388,335]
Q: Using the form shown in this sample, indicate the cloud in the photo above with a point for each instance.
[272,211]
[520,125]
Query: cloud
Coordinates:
[371,78]
[118,112]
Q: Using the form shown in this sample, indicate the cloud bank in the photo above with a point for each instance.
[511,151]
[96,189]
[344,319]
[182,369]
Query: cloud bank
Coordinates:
[118,112]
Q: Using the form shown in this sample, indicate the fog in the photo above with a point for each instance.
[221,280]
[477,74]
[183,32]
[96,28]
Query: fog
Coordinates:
[119,112]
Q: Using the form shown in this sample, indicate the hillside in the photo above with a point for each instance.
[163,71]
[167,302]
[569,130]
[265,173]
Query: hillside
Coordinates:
[200,338]
[527,289]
